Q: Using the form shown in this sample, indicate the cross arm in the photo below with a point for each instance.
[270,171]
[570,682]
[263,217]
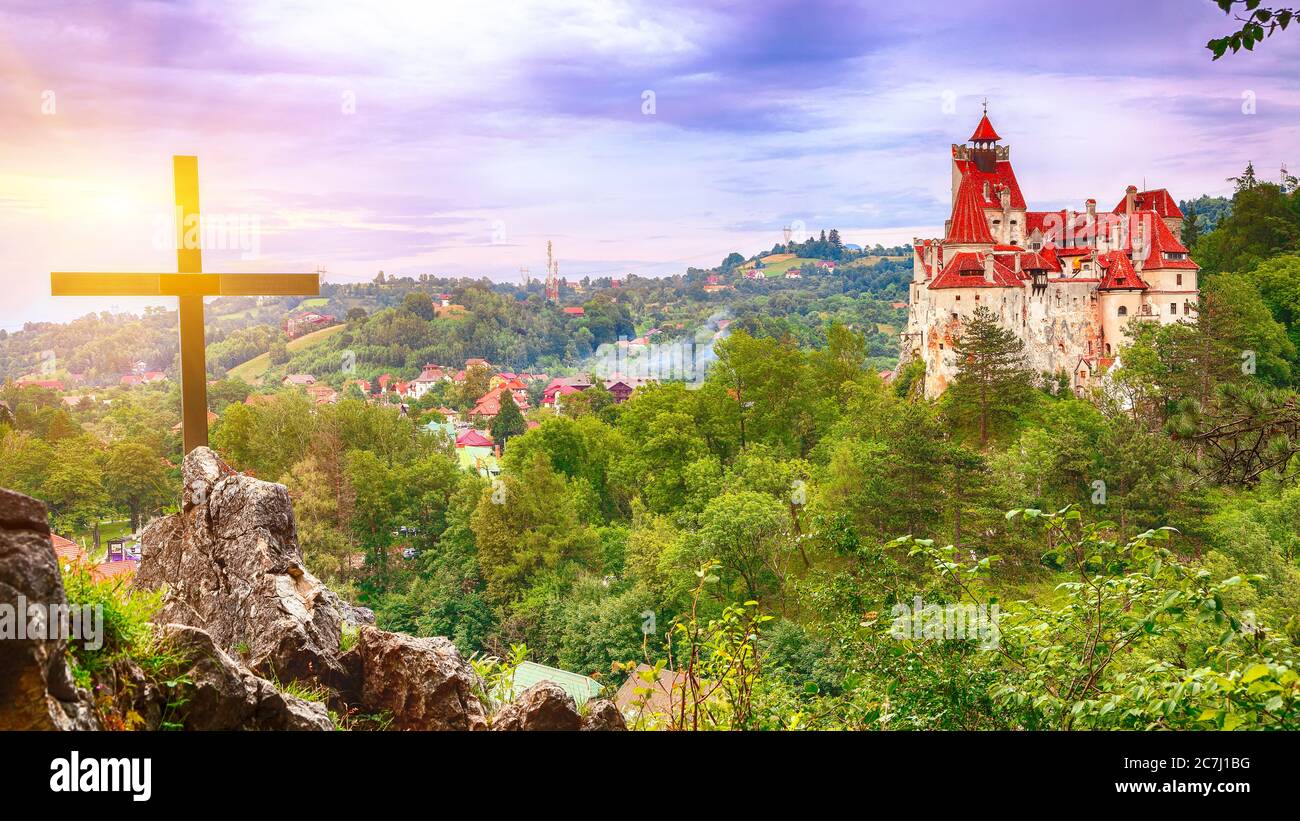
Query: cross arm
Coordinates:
[82,283]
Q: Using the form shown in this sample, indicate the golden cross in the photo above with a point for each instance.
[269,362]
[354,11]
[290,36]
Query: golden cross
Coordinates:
[190,285]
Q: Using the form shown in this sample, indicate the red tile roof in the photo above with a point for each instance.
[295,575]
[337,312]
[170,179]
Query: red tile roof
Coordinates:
[966,270]
[968,225]
[52,384]
[984,131]
[1164,242]
[114,570]
[1119,274]
[1001,176]
[1158,200]
[472,439]
[1030,261]
[66,550]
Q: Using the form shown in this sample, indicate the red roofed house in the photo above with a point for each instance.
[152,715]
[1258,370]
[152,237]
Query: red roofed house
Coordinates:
[122,570]
[212,417]
[51,384]
[67,551]
[577,310]
[564,386]
[296,325]
[322,394]
[470,438]
[1066,282]
[429,376]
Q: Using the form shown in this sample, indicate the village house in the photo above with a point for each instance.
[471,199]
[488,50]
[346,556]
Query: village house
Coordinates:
[322,394]
[579,687]
[489,404]
[429,376]
[1065,282]
[298,380]
[659,699]
[475,452]
[212,417]
[295,325]
[48,384]
[143,378]
[563,386]
[621,387]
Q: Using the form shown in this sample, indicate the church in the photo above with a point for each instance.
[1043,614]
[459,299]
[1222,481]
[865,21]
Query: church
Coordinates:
[1066,282]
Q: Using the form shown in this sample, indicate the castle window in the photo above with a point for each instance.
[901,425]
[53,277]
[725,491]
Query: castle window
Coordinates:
[959,297]
[1173,307]
[1123,310]
[1107,349]
[1178,278]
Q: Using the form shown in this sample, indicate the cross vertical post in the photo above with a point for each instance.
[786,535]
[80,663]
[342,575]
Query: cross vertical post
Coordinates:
[189,284]
[189,260]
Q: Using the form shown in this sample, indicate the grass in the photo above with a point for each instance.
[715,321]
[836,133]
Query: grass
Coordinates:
[777,264]
[254,369]
[315,302]
[107,530]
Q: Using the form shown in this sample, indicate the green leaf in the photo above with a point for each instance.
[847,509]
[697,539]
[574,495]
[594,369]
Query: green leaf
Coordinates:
[1254,672]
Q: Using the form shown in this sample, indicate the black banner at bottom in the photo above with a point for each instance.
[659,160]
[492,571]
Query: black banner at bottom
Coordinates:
[363,771]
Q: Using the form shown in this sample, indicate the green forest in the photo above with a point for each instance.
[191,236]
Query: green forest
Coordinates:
[794,529]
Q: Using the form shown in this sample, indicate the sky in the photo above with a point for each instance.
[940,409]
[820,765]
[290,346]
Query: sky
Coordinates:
[457,138]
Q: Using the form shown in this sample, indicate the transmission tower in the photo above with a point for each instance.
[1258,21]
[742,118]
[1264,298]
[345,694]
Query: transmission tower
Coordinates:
[525,277]
[552,275]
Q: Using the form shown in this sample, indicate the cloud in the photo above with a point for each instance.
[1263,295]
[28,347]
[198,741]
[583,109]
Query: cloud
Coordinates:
[402,136]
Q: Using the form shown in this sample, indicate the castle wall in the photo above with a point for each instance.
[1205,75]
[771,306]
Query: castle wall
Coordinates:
[1059,326]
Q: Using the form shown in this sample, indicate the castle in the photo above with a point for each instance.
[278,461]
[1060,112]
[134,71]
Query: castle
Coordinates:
[1066,282]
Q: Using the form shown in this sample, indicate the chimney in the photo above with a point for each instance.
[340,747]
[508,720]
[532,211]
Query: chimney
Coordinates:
[1140,245]
[1130,196]
[1091,205]
[1017,256]
[932,254]
[988,268]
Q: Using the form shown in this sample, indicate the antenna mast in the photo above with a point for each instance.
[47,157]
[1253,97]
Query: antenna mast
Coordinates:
[552,275]
[525,277]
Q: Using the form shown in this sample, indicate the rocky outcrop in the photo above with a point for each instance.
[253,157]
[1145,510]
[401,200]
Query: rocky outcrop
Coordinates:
[241,620]
[422,683]
[546,707]
[603,715]
[216,693]
[37,691]
[230,564]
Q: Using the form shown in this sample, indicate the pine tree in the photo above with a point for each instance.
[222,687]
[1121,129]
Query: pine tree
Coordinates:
[992,379]
[1191,228]
[1247,180]
[508,422]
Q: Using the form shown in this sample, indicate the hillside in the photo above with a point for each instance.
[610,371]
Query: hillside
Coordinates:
[252,370]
